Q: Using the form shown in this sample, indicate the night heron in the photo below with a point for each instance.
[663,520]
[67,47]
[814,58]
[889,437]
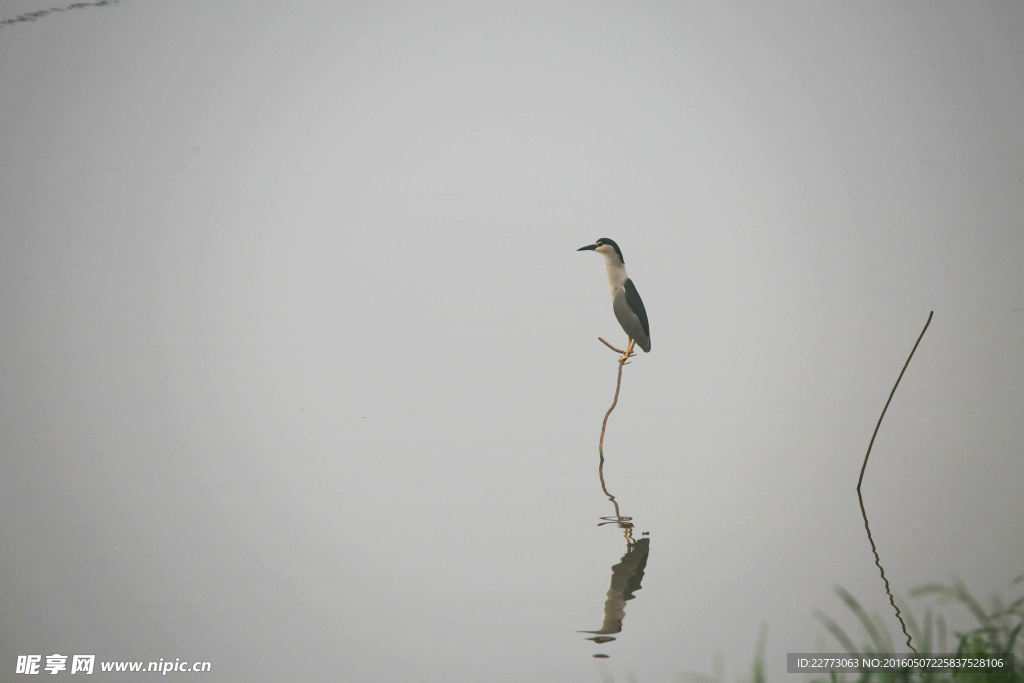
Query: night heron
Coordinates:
[626,302]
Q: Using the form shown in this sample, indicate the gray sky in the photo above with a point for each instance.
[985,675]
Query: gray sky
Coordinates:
[299,360]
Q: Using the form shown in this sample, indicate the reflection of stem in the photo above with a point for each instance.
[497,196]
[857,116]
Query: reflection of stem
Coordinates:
[624,523]
[32,16]
[860,498]
[878,563]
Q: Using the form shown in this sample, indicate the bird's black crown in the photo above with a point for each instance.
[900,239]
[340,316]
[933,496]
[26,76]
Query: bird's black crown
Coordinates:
[611,243]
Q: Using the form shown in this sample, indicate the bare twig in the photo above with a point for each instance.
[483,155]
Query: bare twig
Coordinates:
[602,340]
[624,523]
[615,400]
[860,498]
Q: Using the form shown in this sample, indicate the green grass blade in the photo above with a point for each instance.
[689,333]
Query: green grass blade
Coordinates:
[865,620]
[836,632]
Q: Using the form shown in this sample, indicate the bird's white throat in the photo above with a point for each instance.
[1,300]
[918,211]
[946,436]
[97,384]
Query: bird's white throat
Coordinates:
[616,271]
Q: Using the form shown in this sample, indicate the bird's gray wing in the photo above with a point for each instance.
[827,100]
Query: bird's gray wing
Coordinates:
[637,305]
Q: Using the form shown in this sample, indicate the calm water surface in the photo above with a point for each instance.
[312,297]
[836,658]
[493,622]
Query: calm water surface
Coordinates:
[300,365]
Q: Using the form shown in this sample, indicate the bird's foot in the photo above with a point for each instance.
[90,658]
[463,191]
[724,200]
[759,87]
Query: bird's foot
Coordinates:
[629,353]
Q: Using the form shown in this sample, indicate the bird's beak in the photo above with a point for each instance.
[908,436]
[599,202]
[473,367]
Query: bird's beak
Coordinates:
[588,247]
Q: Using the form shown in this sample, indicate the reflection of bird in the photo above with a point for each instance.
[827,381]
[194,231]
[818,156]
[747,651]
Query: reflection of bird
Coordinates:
[627,576]
[626,302]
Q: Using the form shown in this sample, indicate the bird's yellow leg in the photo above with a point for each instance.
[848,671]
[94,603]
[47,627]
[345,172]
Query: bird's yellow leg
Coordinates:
[629,351]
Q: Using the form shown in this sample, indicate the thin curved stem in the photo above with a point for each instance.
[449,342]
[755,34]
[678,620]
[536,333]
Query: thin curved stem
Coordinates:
[615,402]
[889,400]
[602,340]
[860,497]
